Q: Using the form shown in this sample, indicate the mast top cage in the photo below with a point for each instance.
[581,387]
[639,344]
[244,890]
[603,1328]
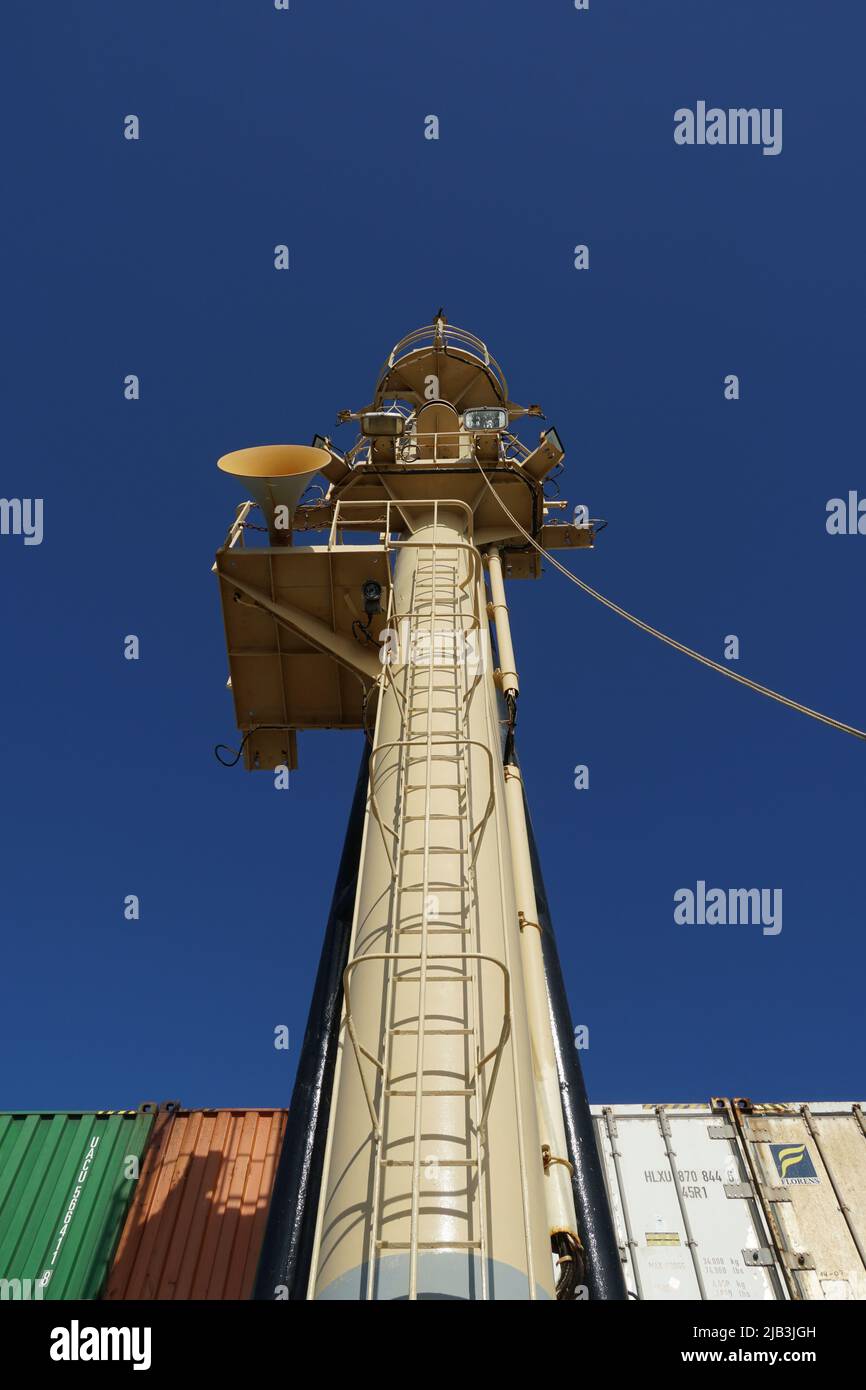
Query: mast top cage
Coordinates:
[302,652]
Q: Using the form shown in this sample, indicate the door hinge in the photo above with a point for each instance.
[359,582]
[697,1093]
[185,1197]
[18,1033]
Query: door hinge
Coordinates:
[795,1260]
[775,1194]
[761,1256]
[739,1189]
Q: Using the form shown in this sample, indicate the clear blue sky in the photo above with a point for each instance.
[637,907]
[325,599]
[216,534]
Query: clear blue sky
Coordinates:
[156,258]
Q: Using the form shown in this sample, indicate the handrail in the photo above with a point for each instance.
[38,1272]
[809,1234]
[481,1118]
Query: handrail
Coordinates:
[235,534]
[511,448]
[444,336]
[450,504]
[436,333]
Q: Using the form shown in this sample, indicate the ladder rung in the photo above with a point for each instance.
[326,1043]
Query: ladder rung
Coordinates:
[434,849]
[434,931]
[430,1032]
[462,882]
[428,787]
[439,1162]
[421,666]
[446,741]
[437,757]
[410,1095]
[425,710]
[443,916]
[433,979]
[438,787]
[434,885]
[419,708]
[441,743]
[430,1244]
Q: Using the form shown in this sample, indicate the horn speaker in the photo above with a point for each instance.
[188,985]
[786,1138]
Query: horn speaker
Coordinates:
[277,476]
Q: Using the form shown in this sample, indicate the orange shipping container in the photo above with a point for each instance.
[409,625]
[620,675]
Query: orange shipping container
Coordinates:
[195,1227]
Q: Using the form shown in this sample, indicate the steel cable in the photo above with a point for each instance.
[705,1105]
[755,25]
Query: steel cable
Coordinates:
[671,641]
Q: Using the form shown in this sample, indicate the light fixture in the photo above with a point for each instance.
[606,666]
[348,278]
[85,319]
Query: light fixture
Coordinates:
[382,424]
[479,418]
[372,591]
[552,438]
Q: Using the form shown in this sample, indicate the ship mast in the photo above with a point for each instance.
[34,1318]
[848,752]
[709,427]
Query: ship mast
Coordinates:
[447,1170]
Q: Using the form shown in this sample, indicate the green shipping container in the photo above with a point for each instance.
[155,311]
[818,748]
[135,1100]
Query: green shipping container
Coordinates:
[66,1181]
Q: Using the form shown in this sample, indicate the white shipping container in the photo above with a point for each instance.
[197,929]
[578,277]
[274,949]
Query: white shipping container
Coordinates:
[809,1164]
[688,1221]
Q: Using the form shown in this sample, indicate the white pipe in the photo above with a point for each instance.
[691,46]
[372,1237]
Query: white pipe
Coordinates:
[559,1196]
[499,612]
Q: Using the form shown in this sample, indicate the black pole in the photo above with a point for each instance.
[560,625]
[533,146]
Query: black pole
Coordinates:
[284,1264]
[604,1271]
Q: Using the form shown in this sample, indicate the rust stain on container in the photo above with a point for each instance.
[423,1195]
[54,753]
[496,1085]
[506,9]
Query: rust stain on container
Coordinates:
[195,1227]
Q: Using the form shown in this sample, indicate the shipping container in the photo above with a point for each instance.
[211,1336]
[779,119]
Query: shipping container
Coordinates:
[808,1163]
[688,1221]
[195,1228]
[66,1180]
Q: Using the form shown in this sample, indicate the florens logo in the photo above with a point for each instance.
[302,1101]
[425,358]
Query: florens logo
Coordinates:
[720,907]
[77,1343]
[794,1165]
[735,126]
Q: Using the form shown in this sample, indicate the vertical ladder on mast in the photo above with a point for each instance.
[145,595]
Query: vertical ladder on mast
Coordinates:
[436,687]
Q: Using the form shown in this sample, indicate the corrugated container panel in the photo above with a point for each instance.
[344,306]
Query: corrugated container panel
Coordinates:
[65,1184]
[195,1228]
[687,1219]
[810,1166]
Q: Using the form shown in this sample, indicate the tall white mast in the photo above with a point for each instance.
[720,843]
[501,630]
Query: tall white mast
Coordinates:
[445,1170]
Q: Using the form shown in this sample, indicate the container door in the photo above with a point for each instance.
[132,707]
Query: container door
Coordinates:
[645,1206]
[813,1162]
[737,1261]
[683,1206]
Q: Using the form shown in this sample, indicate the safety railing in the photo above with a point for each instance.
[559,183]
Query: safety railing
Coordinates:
[444,336]
[442,447]
[379,515]
[420,741]
[235,534]
[433,959]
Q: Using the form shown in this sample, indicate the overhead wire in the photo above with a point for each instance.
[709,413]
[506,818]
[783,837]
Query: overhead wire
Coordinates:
[671,641]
